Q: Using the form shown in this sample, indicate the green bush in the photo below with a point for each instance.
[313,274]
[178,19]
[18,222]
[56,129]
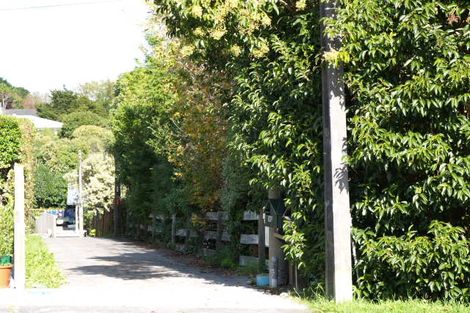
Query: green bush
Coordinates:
[10,141]
[76,119]
[28,133]
[50,188]
[6,229]
[435,266]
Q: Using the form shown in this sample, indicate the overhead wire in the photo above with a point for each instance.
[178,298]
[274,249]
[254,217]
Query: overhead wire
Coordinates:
[35,7]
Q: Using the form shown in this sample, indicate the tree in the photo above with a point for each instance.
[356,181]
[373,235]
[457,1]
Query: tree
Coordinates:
[141,126]
[92,139]
[100,92]
[11,96]
[98,185]
[62,102]
[271,51]
[74,120]
[59,155]
[50,188]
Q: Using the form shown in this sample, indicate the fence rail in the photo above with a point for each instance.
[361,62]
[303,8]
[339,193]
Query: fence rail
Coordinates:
[220,235]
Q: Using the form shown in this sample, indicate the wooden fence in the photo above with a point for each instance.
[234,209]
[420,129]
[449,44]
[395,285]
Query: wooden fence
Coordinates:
[216,221]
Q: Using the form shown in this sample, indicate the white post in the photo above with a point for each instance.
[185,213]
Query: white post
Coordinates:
[275,251]
[337,211]
[80,197]
[20,230]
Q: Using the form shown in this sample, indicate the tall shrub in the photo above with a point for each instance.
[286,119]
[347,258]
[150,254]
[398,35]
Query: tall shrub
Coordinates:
[271,51]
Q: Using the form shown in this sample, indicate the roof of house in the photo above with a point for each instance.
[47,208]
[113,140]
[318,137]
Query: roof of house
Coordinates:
[41,123]
[18,112]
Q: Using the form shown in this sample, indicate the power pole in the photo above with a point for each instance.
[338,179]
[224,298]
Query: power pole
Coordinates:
[20,229]
[117,199]
[337,210]
[80,196]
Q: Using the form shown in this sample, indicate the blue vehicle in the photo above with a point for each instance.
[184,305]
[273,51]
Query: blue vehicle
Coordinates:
[67,218]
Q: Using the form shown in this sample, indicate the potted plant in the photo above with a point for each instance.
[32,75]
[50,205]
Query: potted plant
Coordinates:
[5,271]
[6,243]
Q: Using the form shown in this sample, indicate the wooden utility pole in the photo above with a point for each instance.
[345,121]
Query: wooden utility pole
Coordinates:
[337,211]
[274,243]
[20,229]
[117,200]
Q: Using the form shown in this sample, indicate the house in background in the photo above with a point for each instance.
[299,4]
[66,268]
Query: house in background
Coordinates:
[32,115]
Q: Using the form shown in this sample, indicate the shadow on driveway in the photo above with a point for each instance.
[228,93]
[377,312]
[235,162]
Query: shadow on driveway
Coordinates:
[145,263]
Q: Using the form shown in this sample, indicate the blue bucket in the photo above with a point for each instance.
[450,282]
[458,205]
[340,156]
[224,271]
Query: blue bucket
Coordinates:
[262,280]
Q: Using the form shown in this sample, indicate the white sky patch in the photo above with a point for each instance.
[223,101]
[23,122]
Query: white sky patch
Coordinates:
[47,44]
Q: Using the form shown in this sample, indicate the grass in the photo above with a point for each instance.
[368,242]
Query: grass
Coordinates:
[41,267]
[409,306]
[251,269]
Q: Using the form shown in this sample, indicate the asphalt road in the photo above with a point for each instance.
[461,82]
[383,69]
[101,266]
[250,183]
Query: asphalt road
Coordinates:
[112,276]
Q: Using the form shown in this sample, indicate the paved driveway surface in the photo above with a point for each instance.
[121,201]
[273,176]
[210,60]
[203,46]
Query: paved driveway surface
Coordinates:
[111,276]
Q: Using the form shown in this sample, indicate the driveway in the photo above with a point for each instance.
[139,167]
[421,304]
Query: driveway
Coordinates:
[106,275]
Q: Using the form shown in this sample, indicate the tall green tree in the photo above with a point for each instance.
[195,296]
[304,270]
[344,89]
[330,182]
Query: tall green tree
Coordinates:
[141,123]
[271,50]
[11,97]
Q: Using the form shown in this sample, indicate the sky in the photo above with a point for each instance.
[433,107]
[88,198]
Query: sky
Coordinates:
[49,44]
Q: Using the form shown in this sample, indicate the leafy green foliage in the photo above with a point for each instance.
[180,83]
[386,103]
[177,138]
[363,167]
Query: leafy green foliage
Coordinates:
[11,97]
[271,51]
[100,92]
[6,228]
[140,127]
[79,118]
[16,143]
[50,188]
[199,136]
[28,133]
[408,74]
[92,139]
[41,268]
[433,266]
[64,102]
[98,180]
[10,140]
[59,155]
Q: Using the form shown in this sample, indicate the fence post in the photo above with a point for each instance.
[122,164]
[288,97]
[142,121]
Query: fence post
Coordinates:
[20,227]
[261,242]
[218,243]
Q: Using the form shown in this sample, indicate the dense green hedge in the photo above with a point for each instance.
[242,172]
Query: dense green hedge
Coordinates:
[16,146]
[408,73]
[50,188]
